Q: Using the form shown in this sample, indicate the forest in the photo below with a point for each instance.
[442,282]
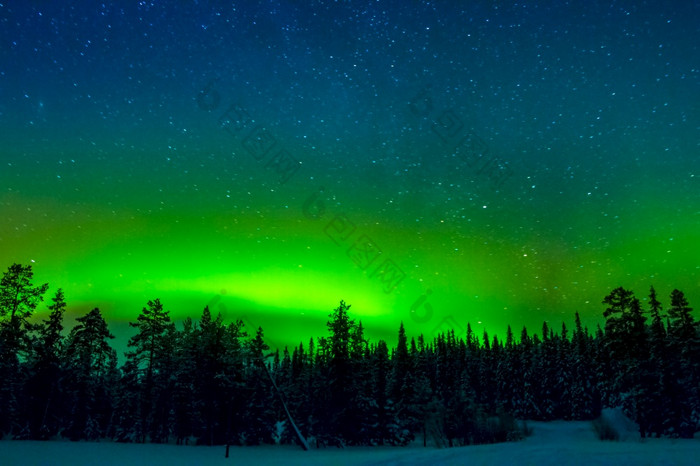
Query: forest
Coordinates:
[210,382]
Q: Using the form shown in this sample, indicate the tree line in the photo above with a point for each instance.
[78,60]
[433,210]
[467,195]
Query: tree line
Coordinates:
[210,382]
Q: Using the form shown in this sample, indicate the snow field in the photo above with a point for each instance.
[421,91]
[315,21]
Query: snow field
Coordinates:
[557,443]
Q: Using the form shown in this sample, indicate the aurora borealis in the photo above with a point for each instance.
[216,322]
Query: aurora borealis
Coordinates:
[435,163]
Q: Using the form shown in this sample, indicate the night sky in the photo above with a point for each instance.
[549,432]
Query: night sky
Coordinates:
[435,163]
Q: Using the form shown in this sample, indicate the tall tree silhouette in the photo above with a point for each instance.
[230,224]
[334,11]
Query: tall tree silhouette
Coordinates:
[627,341]
[341,328]
[152,355]
[400,366]
[261,413]
[18,301]
[210,380]
[45,403]
[91,365]
[684,344]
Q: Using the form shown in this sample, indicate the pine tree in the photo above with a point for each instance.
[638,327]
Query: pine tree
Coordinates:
[658,332]
[525,407]
[401,364]
[261,401]
[91,363]
[212,379]
[684,344]
[417,391]
[508,375]
[626,339]
[152,353]
[296,392]
[379,424]
[683,328]
[127,414]
[624,325]
[185,413]
[18,301]
[583,397]
[359,426]
[233,379]
[658,370]
[544,381]
[341,328]
[43,388]
[320,428]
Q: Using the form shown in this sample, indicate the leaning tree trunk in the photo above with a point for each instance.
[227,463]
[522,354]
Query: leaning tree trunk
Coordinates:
[302,440]
[300,437]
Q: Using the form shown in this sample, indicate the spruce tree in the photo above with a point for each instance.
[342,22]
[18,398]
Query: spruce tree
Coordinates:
[261,400]
[684,343]
[583,403]
[400,365]
[341,327]
[525,407]
[659,370]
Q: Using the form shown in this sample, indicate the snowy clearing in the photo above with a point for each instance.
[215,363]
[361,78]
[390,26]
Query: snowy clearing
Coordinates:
[560,442]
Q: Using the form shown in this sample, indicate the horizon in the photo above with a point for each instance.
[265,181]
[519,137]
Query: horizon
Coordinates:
[217,307]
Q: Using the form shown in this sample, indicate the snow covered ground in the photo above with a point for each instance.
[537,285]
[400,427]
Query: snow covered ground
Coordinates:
[559,443]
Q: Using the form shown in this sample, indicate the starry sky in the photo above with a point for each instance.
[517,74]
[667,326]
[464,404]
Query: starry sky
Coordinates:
[435,163]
